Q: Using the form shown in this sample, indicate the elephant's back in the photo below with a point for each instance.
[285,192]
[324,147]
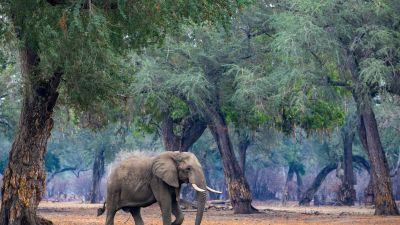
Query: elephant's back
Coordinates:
[132,170]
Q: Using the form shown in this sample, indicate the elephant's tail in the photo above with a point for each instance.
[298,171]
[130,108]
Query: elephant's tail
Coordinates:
[100,211]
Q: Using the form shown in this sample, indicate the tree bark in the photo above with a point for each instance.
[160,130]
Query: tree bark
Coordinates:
[299,184]
[98,172]
[192,130]
[347,194]
[286,188]
[368,129]
[309,194]
[238,188]
[369,190]
[170,140]
[244,143]
[24,179]
[380,173]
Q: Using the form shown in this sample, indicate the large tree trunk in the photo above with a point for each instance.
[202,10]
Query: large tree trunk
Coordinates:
[24,179]
[192,130]
[368,130]
[309,194]
[244,143]
[170,140]
[238,188]
[347,194]
[369,190]
[380,173]
[299,184]
[285,194]
[98,172]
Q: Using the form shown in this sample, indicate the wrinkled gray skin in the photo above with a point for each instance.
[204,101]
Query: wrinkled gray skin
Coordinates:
[140,181]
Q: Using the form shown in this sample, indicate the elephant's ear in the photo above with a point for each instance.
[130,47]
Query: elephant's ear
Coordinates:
[165,168]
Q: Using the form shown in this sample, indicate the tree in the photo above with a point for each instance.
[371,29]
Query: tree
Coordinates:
[72,50]
[195,74]
[340,46]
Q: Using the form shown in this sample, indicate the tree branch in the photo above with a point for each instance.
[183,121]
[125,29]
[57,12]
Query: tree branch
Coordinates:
[73,169]
[55,2]
[338,83]
[360,160]
[260,32]
[316,57]
[51,177]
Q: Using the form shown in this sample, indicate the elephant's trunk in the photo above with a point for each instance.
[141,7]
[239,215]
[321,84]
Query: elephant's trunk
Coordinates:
[200,185]
[201,202]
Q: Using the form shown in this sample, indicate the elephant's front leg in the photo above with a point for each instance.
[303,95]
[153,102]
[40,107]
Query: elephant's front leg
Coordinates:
[176,208]
[163,196]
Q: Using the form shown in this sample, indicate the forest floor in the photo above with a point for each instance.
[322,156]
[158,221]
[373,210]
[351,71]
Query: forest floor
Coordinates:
[75,213]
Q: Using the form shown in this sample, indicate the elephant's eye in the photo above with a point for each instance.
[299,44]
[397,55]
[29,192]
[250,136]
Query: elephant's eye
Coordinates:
[189,168]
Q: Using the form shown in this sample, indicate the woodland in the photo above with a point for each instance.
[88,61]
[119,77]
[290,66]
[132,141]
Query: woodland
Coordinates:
[289,101]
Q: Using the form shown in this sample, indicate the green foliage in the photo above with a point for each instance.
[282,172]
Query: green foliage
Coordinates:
[322,115]
[199,67]
[179,108]
[88,40]
[314,115]
[374,71]
[307,46]
[251,118]
[313,34]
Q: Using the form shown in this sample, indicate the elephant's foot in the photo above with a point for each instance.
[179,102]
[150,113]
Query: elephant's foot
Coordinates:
[178,220]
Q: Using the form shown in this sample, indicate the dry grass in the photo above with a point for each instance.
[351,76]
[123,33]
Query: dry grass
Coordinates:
[75,213]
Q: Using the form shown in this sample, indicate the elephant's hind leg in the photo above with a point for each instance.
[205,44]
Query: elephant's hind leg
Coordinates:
[176,210]
[136,216]
[110,217]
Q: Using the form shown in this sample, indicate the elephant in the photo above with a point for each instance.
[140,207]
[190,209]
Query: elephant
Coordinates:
[140,181]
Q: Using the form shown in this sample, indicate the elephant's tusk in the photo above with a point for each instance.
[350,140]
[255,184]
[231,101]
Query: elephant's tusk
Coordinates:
[197,188]
[212,190]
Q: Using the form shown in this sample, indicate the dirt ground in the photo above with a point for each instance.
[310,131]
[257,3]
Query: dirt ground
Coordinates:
[75,213]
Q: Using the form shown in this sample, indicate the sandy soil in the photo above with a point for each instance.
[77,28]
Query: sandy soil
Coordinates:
[75,213]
